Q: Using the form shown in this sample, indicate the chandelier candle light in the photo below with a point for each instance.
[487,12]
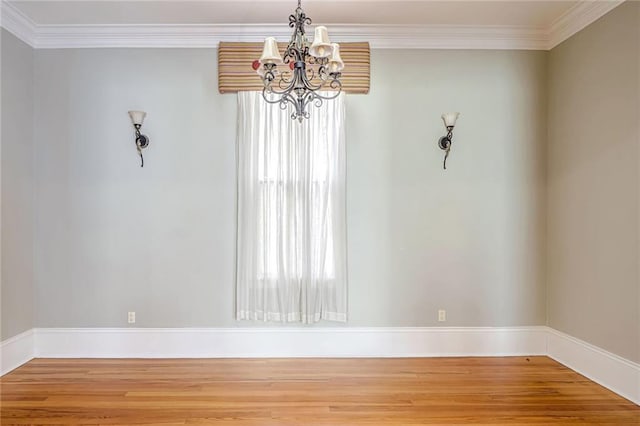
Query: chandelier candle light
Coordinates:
[309,68]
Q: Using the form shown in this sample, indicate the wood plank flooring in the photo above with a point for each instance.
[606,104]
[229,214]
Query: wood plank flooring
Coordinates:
[407,391]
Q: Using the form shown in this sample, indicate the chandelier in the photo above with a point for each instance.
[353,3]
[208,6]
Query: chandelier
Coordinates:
[297,76]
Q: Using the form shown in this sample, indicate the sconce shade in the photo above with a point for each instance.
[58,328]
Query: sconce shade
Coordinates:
[450,118]
[321,46]
[335,61]
[270,53]
[137,117]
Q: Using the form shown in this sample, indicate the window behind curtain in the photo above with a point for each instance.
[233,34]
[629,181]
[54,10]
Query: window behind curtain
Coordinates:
[291,212]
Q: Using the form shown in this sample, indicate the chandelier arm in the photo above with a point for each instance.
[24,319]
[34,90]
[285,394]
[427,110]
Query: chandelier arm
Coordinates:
[290,53]
[312,97]
[288,99]
[284,83]
[324,75]
[299,104]
[306,82]
[310,73]
[327,98]
[266,93]
[283,90]
[285,98]
[334,84]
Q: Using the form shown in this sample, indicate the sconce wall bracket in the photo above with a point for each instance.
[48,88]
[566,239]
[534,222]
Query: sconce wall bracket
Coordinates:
[445,144]
[142,142]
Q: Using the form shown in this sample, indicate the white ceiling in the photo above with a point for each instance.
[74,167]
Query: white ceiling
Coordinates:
[527,13]
[474,24]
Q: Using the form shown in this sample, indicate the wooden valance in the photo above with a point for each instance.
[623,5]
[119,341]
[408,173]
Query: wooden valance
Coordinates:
[236,75]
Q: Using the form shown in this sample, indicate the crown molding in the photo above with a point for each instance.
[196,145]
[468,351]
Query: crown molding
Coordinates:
[209,36]
[17,23]
[378,36]
[443,36]
[578,17]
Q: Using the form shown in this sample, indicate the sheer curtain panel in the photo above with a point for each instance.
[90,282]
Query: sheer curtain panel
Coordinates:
[291,248]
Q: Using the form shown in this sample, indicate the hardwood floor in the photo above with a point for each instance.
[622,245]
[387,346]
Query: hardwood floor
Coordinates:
[408,391]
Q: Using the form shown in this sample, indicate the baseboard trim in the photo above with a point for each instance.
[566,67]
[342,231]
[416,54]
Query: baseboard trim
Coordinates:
[16,350]
[289,342]
[609,370]
[605,368]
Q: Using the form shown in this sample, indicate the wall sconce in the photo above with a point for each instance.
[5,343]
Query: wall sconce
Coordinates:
[445,142]
[142,141]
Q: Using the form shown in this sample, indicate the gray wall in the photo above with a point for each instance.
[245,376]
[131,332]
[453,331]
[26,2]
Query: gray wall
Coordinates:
[594,187]
[112,237]
[17,152]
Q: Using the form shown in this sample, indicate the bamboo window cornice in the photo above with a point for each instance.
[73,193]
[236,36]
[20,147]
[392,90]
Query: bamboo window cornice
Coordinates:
[236,75]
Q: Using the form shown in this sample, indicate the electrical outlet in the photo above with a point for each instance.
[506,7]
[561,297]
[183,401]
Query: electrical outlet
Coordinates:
[442,315]
[131,318]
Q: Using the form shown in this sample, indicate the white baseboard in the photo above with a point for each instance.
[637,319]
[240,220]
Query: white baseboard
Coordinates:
[609,370]
[16,351]
[289,342]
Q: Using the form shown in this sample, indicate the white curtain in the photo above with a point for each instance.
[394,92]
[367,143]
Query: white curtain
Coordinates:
[291,248]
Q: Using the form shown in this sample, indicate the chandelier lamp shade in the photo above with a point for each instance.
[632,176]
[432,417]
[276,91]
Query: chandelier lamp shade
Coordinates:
[297,76]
